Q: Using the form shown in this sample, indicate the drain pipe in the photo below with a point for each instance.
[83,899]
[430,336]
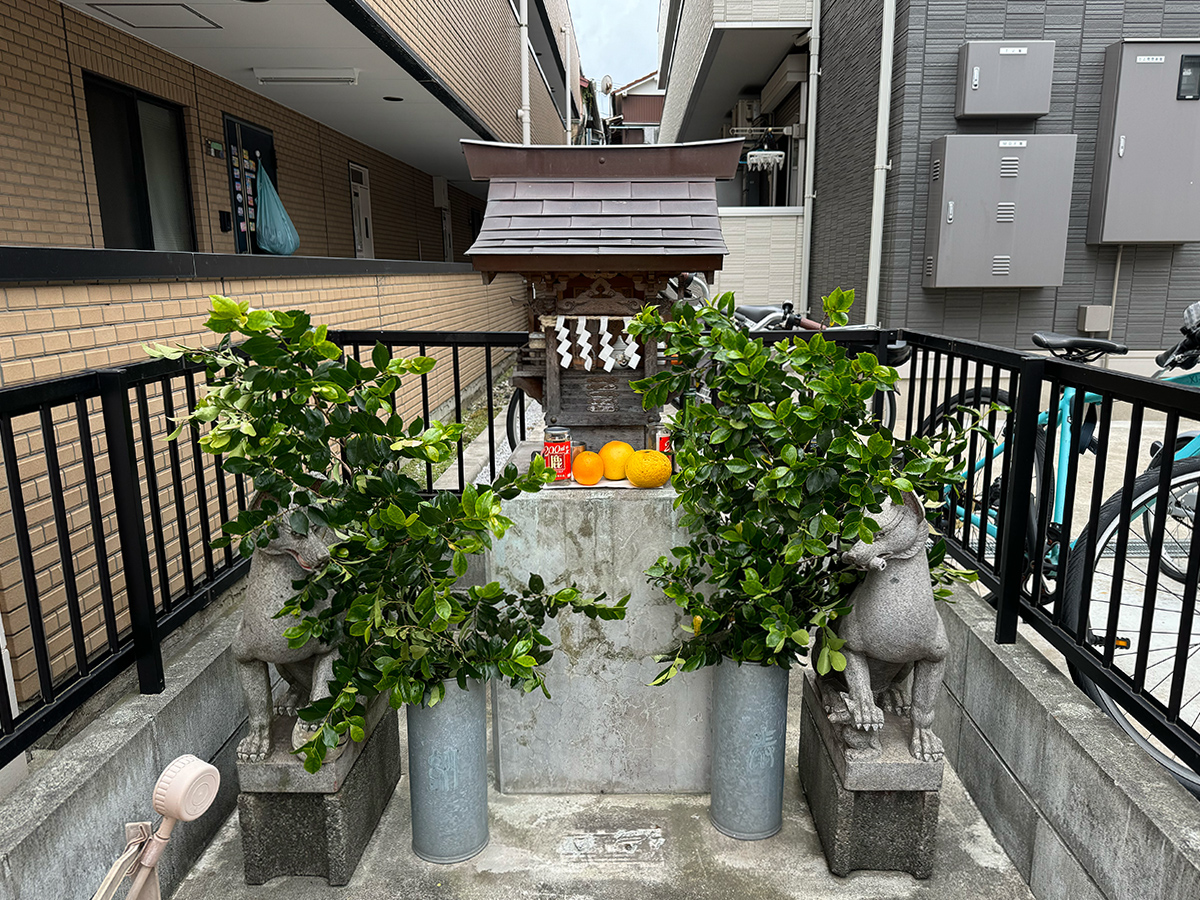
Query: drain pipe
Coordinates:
[567,83]
[875,258]
[810,155]
[523,113]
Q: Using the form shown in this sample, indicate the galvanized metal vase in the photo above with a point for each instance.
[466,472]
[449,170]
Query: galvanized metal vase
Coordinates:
[447,767]
[749,721]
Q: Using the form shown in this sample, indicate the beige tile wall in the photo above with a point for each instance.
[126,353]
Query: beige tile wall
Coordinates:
[52,330]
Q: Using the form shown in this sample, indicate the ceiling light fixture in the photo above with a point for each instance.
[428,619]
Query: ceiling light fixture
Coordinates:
[306,76]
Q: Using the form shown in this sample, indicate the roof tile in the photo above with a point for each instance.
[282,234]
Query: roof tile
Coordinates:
[602,190]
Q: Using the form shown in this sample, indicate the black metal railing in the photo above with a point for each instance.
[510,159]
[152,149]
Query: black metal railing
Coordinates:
[106,544]
[106,541]
[1080,520]
[90,501]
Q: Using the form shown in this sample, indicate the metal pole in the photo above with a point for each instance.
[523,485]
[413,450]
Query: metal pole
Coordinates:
[875,253]
[1014,523]
[810,158]
[567,85]
[131,528]
[523,115]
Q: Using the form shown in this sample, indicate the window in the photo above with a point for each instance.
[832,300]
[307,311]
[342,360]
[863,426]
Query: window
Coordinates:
[141,168]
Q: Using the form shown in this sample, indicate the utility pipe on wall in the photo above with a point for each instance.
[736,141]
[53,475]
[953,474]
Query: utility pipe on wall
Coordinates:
[567,84]
[523,114]
[810,154]
[875,253]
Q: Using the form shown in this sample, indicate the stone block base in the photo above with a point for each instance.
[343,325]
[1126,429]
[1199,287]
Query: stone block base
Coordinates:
[890,830]
[307,832]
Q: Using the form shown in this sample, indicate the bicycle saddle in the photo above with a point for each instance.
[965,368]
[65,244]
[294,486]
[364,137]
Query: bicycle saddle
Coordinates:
[1077,349]
[758,313]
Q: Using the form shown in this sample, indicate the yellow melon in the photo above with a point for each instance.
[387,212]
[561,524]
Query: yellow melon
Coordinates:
[648,469]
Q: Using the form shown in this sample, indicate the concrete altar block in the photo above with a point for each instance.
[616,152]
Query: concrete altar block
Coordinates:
[874,814]
[294,823]
[604,730]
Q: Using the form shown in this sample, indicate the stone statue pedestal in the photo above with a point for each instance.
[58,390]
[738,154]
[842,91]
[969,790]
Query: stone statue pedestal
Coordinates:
[294,823]
[870,814]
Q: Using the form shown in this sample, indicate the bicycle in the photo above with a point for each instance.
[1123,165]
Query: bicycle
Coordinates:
[1118,575]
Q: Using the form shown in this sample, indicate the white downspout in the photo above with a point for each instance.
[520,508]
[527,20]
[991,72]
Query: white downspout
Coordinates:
[875,257]
[810,154]
[523,114]
[567,84]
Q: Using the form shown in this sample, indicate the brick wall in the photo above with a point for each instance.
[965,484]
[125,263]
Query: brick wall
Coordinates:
[43,193]
[482,66]
[1157,282]
[47,183]
[51,330]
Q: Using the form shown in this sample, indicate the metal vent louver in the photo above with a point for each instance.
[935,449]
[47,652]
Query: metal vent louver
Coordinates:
[1009,166]
[1001,265]
[929,267]
[936,171]
[1006,212]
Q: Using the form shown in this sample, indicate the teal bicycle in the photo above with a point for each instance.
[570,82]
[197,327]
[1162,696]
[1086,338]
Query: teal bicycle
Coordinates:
[1120,560]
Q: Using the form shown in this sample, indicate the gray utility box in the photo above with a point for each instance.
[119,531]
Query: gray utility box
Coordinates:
[1004,78]
[1146,181]
[998,210]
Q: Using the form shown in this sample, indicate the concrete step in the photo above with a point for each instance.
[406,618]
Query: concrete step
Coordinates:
[630,847]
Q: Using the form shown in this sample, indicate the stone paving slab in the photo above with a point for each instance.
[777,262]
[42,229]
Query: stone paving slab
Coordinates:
[631,847]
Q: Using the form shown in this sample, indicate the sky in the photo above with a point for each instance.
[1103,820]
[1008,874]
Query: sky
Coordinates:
[617,38]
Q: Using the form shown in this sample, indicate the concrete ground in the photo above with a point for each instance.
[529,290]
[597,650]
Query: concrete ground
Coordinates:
[629,847]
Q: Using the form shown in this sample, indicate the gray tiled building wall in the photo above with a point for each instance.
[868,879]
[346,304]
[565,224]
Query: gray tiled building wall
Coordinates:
[1157,282]
[846,109]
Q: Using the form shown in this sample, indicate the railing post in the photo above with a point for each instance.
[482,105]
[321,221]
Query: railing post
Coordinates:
[1014,522]
[131,528]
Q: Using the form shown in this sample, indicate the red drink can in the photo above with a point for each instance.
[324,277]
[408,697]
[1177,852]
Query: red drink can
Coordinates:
[662,438]
[556,451]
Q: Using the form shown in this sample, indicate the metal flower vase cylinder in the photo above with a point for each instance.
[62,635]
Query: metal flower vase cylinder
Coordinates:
[447,766]
[749,722]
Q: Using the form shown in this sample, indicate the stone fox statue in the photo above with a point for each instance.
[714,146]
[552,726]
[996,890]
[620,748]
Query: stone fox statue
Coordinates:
[892,630]
[307,670]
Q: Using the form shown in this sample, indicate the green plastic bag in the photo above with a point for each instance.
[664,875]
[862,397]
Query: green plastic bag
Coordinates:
[276,233]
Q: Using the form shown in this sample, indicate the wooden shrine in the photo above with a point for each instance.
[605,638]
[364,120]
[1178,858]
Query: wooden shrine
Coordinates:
[597,232]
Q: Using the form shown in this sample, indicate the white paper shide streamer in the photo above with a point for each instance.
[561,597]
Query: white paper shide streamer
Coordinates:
[565,353]
[632,357]
[585,342]
[606,347]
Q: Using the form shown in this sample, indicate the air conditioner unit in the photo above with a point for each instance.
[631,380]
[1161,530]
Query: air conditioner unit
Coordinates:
[745,112]
[306,76]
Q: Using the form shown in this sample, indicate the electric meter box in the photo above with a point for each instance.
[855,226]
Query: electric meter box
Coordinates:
[1004,78]
[998,211]
[1146,180]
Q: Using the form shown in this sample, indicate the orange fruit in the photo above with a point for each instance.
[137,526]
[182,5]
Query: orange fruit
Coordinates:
[587,468]
[615,454]
[648,469]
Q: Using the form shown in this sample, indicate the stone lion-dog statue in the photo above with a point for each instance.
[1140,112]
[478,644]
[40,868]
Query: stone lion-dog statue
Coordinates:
[893,631]
[291,556]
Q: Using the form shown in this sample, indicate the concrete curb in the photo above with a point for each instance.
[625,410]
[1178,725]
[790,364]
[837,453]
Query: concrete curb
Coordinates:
[1081,810]
[63,826]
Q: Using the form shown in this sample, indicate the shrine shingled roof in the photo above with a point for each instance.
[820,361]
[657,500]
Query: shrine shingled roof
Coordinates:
[649,206]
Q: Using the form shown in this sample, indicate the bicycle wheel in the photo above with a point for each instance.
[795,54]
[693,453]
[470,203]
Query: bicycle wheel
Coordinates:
[514,419]
[983,482]
[1146,523]
[1134,582]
